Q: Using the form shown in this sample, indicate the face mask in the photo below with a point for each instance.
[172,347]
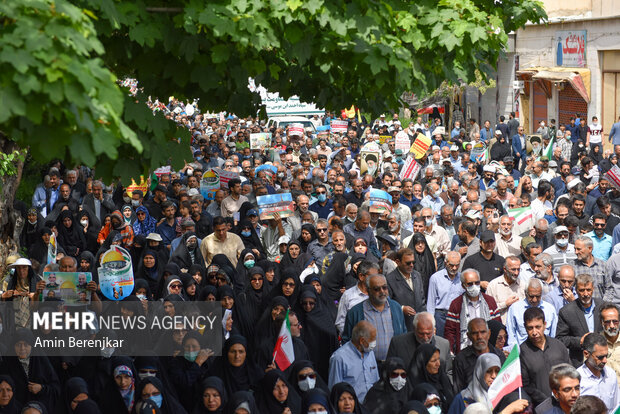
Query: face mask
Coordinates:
[246,233]
[428,222]
[398,383]
[307,384]
[135,203]
[321,412]
[84,223]
[143,375]
[399,159]
[32,222]
[141,297]
[435,409]
[322,198]
[248,264]
[157,399]
[189,172]
[191,245]
[199,158]
[473,291]
[191,356]
[126,199]
[107,352]
[562,242]
[371,345]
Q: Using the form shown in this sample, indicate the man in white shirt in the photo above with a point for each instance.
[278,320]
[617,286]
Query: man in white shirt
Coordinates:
[596,378]
[596,134]
[542,205]
[357,293]
[508,244]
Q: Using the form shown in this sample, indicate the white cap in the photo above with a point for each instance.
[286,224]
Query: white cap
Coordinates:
[154,237]
[388,154]
[435,148]
[498,132]
[284,239]
[572,183]
[454,148]
[22,261]
[488,168]
[192,192]
[475,214]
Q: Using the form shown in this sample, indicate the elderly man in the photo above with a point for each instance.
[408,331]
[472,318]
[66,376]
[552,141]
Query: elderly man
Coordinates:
[303,204]
[564,293]
[444,286]
[472,304]
[507,288]
[478,333]
[544,272]
[596,378]
[432,199]
[437,232]
[508,244]
[355,363]
[406,286]
[610,320]
[562,252]
[515,325]
[579,318]
[357,293]
[586,263]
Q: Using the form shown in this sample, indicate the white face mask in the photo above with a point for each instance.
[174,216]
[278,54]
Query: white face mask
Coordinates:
[561,242]
[473,291]
[84,223]
[143,375]
[435,409]
[307,384]
[371,345]
[398,383]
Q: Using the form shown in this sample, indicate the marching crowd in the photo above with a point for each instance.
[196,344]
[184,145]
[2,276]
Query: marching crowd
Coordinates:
[410,310]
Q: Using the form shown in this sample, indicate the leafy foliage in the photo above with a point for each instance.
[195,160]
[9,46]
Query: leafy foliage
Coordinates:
[59,61]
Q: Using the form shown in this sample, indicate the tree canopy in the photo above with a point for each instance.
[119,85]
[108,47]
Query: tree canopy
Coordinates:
[60,60]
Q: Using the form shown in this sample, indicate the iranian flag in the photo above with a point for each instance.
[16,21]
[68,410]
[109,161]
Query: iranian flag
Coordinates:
[508,379]
[523,219]
[283,354]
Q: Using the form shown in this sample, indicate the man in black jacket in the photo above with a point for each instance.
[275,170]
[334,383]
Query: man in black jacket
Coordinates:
[579,318]
[406,286]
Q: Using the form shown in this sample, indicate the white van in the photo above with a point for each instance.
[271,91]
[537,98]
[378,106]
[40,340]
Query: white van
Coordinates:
[284,121]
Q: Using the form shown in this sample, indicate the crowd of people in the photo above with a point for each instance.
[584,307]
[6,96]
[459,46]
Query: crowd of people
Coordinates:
[412,310]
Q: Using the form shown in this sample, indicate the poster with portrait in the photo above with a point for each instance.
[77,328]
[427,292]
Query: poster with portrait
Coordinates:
[116,274]
[209,184]
[380,202]
[260,140]
[371,157]
[70,287]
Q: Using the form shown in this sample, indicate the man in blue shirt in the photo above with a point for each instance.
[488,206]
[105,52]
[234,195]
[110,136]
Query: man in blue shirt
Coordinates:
[574,130]
[596,378]
[323,206]
[602,241]
[167,225]
[354,363]
[614,133]
[444,286]
[533,299]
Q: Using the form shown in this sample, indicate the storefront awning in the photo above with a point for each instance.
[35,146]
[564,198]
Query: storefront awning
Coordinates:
[546,77]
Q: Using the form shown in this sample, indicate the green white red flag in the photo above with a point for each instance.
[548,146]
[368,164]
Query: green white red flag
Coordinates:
[508,379]
[283,354]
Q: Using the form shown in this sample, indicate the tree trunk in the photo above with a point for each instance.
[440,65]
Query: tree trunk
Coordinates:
[11,221]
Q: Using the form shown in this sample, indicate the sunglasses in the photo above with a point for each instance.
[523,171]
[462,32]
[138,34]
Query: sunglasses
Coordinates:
[304,376]
[288,284]
[379,288]
[472,283]
[175,286]
[321,230]
[396,375]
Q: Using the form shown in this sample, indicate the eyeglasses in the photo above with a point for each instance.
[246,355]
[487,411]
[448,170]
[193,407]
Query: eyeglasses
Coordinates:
[288,284]
[409,263]
[599,225]
[379,288]
[611,322]
[600,357]
[304,376]
[321,192]
[477,283]
[396,375]
[321,230]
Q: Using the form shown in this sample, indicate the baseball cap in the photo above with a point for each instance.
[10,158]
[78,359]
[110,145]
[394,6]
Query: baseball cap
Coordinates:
[251,212]
[509,158]
[398,152]
[454,148]
[487,235]
[560,229]
[393,189]
[527,240]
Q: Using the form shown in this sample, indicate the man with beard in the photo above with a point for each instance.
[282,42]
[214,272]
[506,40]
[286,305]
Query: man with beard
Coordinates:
[356,196]
[303,204]
[508,244]
[478,333]
[561,213]
[507,288]
[610,320]
[586,263]
[407,198]
[596,378]
[543,266]
[404,346]
[579,318]
[64,199]
[601,240]
[560,182]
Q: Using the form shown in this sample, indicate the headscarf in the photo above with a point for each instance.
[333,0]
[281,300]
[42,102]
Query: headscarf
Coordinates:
[418,372]
[310,229]
[382,397]
[244,400]
[14,406]
[87,407]
[147,225]
[494,328]
[341,388]
[235,378]
[293,379]
[416,406]
[425,262]
[183,256]
[218,385]
[299,263]
[223,262]
[477,388]
[143,284]
[169,404]
[198,267]
[277,291]
[500,149]
[74,387]
[70,238]
[423,391]
[128,394]
[316,396]
[267,403]
[252,241]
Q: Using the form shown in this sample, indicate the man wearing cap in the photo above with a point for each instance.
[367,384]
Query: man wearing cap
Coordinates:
[562,252]
[488,171]
[489,264]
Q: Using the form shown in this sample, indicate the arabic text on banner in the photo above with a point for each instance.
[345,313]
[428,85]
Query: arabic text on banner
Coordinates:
[339,126]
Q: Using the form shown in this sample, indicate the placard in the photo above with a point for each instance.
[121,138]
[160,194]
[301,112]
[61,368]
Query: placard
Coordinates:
[410,169]
[275,203]
[133,186]
[402,141]
[71,287]
[162,170]
[440,130]
[613,175]
[338,126]
[270,170]
[52,249]
[296,130]
[385,138]
[116,274]
[371,157]
[209,184]
[421,144]
[380,202]
[260,140]
[226,176]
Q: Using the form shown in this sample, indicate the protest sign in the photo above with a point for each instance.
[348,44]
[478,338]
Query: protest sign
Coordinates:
[410,169]
[296,130]
[402,141]
[370,158]
[133,186]
[614,176]
[226,176]
[439,130]
[380,201]
[71,287]
[275,203]
[209,184]
[421,144]
[323,128]
[385,138]
[338,126]
[116,274]
[478,153]
[260,140]
[52,249]
[270,170]
[162,170]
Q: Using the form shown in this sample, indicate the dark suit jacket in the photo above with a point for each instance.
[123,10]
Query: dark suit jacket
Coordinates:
[572,326]
[404,346]
[107,207]
[401,292]
[516,147]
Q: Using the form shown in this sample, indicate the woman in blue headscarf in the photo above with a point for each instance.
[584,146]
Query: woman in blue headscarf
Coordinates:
[144,223]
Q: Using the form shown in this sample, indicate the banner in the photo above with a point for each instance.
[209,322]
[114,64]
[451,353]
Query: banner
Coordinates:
[338,126]
[571,48]
[209,184]
[116,274]
[439,131]
[142,186]
[296,130]
[523,219]
[270,170]
[371,157]
[226,176]
[52,249]
[275,203]
[260,141]
[410,169]
[323,128]
[162,170]
[421,144]
[380,201]
[71,287]
[613,176]
[385,138]
[402,141]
